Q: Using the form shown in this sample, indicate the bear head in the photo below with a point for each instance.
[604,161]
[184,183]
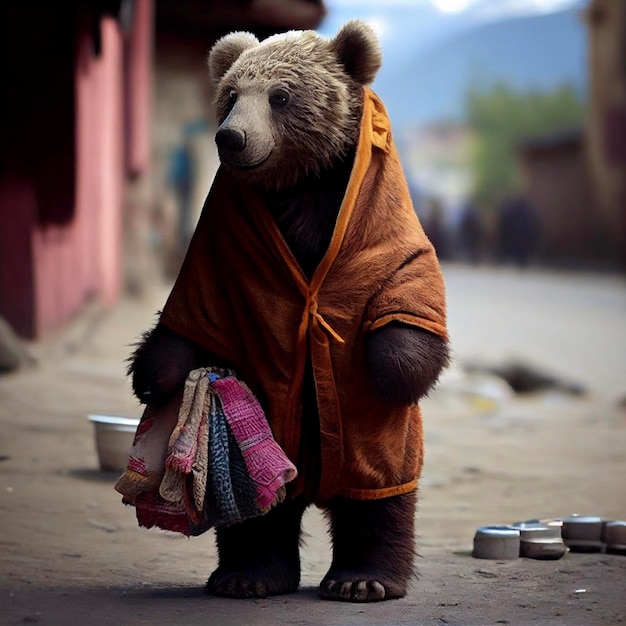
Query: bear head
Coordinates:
[289,106]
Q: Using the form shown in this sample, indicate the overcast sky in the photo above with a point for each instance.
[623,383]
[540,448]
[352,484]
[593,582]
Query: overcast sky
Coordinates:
[432,18]
[412,31]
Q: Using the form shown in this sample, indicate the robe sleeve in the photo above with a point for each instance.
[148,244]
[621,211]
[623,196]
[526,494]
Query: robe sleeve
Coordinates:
[414,295]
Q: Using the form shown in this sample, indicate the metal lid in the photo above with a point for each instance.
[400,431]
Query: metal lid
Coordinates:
[538,532]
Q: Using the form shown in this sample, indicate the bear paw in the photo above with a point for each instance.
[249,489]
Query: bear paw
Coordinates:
[248,583]
[405,362]
[355,588]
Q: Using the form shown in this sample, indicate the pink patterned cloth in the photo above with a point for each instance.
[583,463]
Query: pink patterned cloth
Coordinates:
[140,483]
[268,466]
[146,461]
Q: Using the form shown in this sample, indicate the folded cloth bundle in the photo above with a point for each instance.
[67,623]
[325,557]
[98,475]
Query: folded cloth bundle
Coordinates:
[210,462]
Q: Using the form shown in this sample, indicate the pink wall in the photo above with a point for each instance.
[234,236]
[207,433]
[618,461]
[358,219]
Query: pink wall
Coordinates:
[18,211]
[139,64]
[66,157]
[76,261]
[99,162]
[37,158]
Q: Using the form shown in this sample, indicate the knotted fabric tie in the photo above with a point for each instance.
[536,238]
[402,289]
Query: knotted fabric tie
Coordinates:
[312,306]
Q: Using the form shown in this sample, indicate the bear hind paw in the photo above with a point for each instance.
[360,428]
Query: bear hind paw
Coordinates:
[358,589]
[245,584]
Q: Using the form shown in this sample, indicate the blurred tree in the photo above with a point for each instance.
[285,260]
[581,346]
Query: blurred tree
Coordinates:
[500,117]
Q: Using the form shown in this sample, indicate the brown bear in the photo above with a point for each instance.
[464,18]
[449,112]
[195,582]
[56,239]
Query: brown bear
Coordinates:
[310,275]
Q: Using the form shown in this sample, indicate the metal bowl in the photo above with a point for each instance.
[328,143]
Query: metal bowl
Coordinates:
[114,437]
[614,535]
[583,533]
[541,541]
[496,542]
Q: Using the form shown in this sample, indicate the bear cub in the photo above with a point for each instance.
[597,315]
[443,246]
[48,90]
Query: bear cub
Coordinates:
[289,111]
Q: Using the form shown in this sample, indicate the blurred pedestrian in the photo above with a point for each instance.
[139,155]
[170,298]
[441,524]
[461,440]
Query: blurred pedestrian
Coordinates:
[518,230]
[180,180]
[436,228]
[471,233]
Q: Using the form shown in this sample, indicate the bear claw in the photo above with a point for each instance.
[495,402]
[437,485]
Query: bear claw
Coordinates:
[239,584]
[236,587]
[353,590]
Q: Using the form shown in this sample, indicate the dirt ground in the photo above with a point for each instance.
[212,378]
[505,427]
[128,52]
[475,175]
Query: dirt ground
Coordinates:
[71,553]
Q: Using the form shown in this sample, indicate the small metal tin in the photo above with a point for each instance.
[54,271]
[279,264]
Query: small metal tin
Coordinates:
[500,543]
[582,533]
[541,541]
[614,536]
[114,436]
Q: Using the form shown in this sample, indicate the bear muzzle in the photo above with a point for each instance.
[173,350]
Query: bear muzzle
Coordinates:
[237,152]
[230,140]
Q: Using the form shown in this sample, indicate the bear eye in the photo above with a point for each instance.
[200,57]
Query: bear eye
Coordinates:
[279,99]
[232,97]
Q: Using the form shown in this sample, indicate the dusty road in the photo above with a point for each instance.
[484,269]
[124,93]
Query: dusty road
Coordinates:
[70,553]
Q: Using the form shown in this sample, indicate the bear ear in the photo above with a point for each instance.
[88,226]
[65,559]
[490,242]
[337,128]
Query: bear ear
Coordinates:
[226,51]
[358,50]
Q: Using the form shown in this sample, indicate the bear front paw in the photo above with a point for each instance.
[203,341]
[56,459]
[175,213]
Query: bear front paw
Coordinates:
[404,362]
[160,364]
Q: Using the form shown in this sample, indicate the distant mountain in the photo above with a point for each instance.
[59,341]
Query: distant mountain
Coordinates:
[536,52]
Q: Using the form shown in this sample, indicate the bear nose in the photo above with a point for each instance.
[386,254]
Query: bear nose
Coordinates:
[230,139]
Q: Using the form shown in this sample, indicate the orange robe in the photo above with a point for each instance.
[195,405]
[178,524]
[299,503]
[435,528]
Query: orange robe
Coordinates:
[241,295]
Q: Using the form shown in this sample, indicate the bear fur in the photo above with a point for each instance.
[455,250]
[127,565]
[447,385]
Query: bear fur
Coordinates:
[289,110]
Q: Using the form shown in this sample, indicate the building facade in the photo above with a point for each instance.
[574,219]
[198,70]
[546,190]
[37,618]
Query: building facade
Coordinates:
[75,123]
